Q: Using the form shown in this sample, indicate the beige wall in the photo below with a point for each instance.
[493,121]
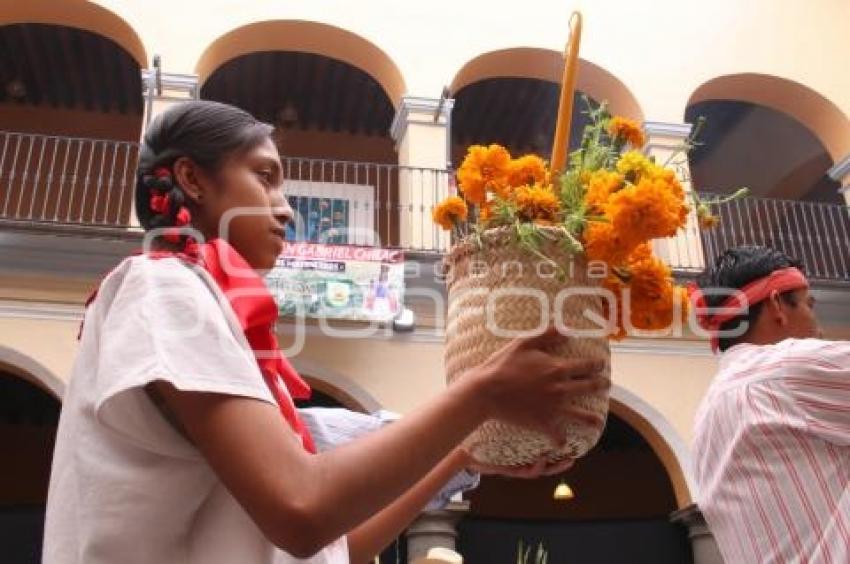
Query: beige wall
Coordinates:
[50,343]
[400,374]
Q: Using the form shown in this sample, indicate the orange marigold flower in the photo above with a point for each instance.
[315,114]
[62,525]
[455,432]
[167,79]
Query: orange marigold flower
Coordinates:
[654,298]
[706,219]
[536,203]
[527,169]
[485,169]
[449,212]
[600,185]
[627,130]
[708,222]
[650,209]
[603,243]
[485,212]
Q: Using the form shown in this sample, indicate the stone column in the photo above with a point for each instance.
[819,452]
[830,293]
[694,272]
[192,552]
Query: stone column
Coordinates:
[702,541]
[840,172]
[434,529]
[663,142]
[421,133]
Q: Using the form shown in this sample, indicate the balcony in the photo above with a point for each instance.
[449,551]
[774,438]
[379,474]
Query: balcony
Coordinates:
[84,187]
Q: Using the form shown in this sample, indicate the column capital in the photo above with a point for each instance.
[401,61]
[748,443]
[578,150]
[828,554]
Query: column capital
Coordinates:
[665,129]
[425,111]
[434,529]
[840,172]
[703,544]
[664,135]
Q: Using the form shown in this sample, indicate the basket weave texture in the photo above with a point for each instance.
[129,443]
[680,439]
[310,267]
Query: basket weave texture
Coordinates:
[512,287]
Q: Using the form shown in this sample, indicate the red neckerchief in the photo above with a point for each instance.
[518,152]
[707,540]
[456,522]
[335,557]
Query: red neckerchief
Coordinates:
[257,312]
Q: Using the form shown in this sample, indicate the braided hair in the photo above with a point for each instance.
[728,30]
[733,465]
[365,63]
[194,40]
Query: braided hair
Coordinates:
[207,133]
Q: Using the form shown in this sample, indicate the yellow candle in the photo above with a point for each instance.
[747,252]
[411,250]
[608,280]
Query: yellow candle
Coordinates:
[568,87]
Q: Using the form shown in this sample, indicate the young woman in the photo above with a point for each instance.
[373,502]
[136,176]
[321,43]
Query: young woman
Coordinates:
[178,440]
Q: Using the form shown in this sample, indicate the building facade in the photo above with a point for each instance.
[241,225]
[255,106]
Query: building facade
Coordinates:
[374,104]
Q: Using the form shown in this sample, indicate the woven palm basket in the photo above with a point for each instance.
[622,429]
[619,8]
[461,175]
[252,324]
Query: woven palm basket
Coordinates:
[473,275]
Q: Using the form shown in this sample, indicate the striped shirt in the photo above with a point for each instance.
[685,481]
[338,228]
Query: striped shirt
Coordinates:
[772,453]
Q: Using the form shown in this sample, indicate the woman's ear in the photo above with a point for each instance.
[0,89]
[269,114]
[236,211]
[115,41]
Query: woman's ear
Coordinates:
[191,179]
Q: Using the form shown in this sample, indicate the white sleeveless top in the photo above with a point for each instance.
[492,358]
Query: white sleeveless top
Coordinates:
[125,486]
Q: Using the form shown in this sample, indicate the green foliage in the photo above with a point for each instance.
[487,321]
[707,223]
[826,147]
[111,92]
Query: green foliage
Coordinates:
[526,556]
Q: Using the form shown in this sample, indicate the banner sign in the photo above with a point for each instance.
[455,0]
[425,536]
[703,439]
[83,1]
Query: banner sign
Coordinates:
[338,281]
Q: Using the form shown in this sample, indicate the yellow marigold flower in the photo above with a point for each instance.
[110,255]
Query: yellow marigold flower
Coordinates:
[527,169]
[634,165]
[600,185]
[627,130]
[536,203]
[485,169]
[449,212]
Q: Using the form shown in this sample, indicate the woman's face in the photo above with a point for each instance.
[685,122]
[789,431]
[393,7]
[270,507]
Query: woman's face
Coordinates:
[244,205]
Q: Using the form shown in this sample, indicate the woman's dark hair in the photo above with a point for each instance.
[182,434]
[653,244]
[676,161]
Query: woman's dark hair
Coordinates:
[736,268]
[207,133]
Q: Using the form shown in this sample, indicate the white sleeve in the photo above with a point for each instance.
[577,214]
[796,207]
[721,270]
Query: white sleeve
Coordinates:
[820,387]
[164,323]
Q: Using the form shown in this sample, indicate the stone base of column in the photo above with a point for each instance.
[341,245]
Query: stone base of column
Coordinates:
[703,545]
[434,529]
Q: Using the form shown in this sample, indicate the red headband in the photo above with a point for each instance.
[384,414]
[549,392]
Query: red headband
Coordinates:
[778,282]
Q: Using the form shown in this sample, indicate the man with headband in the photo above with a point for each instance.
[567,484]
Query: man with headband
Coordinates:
[772,437]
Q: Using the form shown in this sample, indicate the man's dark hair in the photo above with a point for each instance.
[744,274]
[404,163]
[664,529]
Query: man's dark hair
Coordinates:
[736,268]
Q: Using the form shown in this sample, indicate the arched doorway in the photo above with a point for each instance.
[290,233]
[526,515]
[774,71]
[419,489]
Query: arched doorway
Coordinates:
[620,513]
[29,416]
[511,96]
[71,108]
[779,139]
[331,96]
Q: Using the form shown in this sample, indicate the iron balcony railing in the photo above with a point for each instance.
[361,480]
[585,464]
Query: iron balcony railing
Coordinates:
[66,180]
[816,233]
[88,184]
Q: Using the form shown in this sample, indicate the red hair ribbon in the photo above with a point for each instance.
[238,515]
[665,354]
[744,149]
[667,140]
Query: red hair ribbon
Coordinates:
[159,202]
[710,319]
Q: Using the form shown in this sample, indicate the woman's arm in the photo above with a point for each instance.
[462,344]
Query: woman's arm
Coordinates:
[369,539]
[372,537]
[303,502]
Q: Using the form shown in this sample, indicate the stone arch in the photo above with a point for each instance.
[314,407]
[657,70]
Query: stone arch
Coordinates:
[308,37]
[87,16]
[668,446]
[29,369]
[342,388]
[821,116]
[548,65]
